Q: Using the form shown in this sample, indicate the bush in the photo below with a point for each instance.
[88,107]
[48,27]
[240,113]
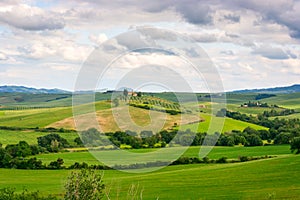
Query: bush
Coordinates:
[243,158]
[222,160]
[85,185]
[52,142]
[295,145]
[10,194]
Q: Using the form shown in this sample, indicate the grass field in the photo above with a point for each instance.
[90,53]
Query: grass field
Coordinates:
[13,137]
[249,110]
[115,119]
[217,152]
[291,101]
[229,124]
[31,118]
[274,178]
[263,179]
[293,116]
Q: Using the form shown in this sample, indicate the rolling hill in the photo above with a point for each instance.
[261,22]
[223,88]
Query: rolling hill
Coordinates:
[30,90]
[277,90]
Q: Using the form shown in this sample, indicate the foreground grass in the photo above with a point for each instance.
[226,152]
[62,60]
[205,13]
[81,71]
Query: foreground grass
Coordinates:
[275,178]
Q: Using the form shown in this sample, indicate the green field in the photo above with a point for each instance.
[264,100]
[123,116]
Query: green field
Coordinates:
[217,152]
[13,137]
[262,179]
[249,110]
[291,101]
[273,178]
[292,116]
[31,118]
[229,124]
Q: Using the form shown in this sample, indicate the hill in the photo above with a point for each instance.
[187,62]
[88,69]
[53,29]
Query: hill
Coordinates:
[277,90]
[30,90]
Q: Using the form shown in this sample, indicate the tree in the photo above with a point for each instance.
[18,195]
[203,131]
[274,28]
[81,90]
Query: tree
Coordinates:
[22,149]
[116,102]
[56,164]
[295,145]
[125,93]
[254,140]
[50,141]
[282,138]
[221,113]
[145,134]
[85,185]
[5,158]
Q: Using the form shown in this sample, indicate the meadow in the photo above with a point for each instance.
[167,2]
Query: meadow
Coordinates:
[113,156]
[30,136]
[262,179]
[220,124]
[272,178]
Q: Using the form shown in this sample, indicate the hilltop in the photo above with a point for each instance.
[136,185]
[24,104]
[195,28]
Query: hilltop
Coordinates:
[30,90]
[278,90]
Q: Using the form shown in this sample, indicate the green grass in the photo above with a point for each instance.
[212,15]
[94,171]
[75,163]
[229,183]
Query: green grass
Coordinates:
[292,116]
[249,110]
[217,122]
[32,118]
[13,137]
[44,100]
[239,98]
[286,100]
[217,152]
[251,180]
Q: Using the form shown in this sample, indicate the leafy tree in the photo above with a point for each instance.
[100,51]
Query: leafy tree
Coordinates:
[221,113]
[78,141]
[125,93]
[4,158]
[116,102]
[282,138]
[22,149]
[253,140]
[84,185]
[52,141]
[56,164]
[92,137]
[145,134]
[250,131]
[295,145]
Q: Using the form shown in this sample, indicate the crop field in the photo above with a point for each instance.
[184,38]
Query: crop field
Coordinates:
[262,179]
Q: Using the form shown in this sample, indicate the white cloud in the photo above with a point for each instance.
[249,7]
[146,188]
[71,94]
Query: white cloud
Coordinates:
[98,39]
[248,40]
[30,18]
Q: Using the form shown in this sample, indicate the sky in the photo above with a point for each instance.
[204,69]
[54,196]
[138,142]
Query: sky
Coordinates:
[252,43]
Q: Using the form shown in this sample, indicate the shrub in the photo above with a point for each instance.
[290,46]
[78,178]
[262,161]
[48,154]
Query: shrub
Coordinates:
[84,185]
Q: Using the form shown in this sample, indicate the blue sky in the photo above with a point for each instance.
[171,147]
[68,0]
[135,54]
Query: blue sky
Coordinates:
[252,43]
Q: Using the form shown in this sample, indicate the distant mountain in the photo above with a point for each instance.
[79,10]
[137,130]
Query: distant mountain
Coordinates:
[275,90]
[22,89]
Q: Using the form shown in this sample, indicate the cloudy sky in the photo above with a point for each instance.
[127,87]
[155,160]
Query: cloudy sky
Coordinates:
[252,43]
